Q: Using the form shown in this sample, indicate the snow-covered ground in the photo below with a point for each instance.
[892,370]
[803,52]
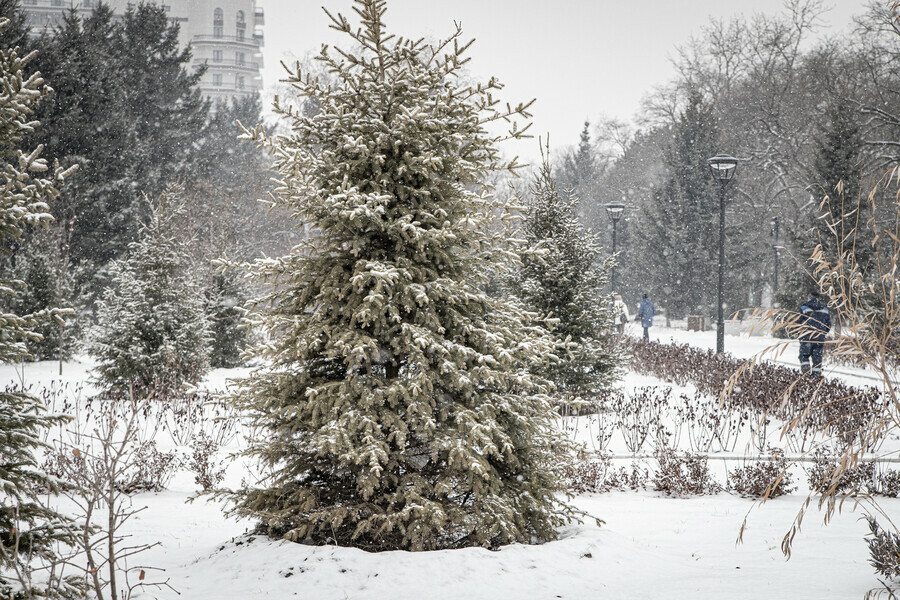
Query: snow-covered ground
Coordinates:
[650,546]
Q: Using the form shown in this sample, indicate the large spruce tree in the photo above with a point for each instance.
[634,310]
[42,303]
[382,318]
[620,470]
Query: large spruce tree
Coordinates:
[126,109]
[839,168]
[837,217]
[679,230]
[29,531]
[397,408]
[566,278]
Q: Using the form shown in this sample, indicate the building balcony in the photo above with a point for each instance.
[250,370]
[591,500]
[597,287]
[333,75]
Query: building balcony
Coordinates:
[226,40]
[228,64]
[227,90]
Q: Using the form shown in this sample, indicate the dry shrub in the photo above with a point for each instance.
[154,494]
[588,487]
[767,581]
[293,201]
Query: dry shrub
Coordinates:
[632,478]
[144,467]
[884,550]
[588,475]
[595,474]
[685,475]
[764,479]
[151,470]
[208,470]
[763,387]
[888,484]
[827,474]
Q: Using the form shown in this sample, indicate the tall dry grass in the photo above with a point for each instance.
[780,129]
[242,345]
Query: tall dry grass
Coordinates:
[857,274]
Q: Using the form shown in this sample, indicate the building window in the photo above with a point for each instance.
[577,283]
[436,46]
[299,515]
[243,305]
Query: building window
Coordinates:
[217,56]
[58,3]
[30,2]
[241,25]
[87,3]
[217,79]
[218,22]
[239,59]
[239,82]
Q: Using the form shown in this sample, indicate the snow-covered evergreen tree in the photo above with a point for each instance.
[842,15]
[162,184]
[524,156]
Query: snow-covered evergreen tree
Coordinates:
[580,171]
[39,261]
[127,109]
[225,298]
[152,330]
[679,234]
[29,531]
[566,278]
[398,408]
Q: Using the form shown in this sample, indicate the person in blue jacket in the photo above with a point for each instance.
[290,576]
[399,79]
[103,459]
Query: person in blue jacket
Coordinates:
[646,312]
[815,323]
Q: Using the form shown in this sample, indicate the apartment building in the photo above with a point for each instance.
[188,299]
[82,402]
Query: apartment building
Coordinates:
[226,35]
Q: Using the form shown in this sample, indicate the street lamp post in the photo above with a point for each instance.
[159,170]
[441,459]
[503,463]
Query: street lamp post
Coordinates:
[614,210]
[722,168]
[775,250]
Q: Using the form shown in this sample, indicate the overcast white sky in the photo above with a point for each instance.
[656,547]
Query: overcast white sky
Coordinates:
[581,59]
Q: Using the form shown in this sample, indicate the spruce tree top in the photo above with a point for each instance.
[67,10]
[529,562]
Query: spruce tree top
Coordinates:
[398,405]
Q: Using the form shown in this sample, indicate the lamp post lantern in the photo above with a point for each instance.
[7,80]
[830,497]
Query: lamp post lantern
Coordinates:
[722,168]
[614,210]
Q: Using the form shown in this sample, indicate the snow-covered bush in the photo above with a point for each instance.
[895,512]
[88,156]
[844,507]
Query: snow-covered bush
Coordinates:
[595,473]
[207,468]
[150,469]
[766,388]
[588,474]
[887,483]
[399,406]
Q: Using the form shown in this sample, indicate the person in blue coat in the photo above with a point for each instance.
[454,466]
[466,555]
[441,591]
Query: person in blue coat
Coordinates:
[646,312]
[815,323]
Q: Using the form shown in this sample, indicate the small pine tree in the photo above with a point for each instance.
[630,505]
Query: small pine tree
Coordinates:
[152,330]
[399,410]
[29,530]
[564,278]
